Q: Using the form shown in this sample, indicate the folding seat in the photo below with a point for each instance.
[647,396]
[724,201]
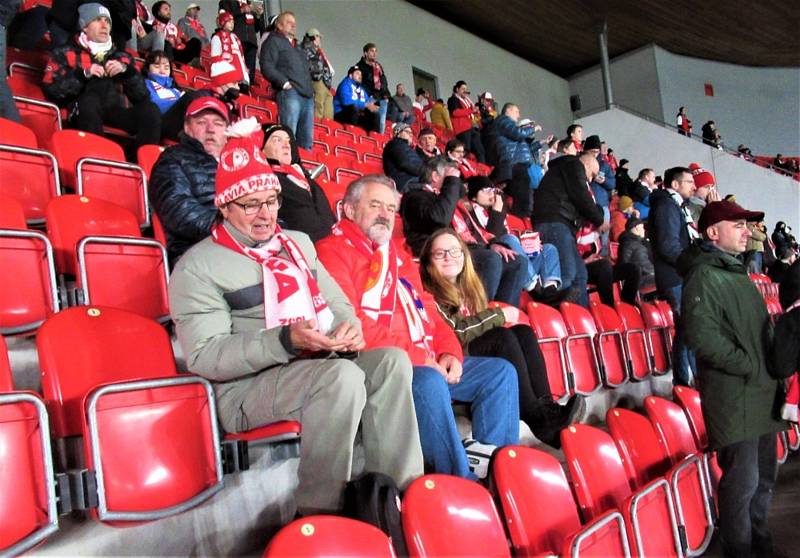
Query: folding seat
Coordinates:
[580,350]
[373,158]
[331,124]
[270,105]
[369,167]
[445,515]
[608,347]
[321,536]
[667,317]
[793,437]
[147,155]
[96,167]
[540,513]
[645,460]
[636,340]
[35,58]
[348,133]
[634,351]
[601,484]
[28,490]
[370,141]
[29,295]
[251,107]
[550,332]
[201,81]
[320,148]
[181,78]
[658,338]
[321,130]
[345,175]
[347,151]
[150,436]
[782,448]
[517,225]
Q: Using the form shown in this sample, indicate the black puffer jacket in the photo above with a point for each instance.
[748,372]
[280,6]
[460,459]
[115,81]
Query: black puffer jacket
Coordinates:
[8,10]
[564,197]
[401,163]
[636,250]
[181,192]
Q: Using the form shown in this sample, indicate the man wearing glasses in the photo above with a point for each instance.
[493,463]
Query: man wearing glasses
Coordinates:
[258,315]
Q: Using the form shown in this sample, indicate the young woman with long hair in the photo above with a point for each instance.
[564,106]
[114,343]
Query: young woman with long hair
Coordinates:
[448,274]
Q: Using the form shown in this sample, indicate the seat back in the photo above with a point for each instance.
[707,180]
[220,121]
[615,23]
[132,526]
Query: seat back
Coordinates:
[71,217]
[666,313]
[13,133]
[599,479]
[147,155]
[12,216]
[70,146]
[6,378]
[636,341]
[43,118]
[551,331]
[657,336]
[638,445]
[672,427]
[327,535]
[29,295]
[447,515]
[580,349]
[83,347]
[29,175]
[689,399]
[611,347]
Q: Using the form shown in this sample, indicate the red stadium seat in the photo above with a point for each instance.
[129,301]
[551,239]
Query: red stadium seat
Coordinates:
[450,516]
[580,349]
[12,215]
[6,378]
[636,339]
[608,342]
[29,295]
[540,513]
[551,331]
[658,337]
[601,484]
[147,155]
[689,400]
[12,133]
[96,167]
[634,343]
[320,536]
[251,107]
[149,435]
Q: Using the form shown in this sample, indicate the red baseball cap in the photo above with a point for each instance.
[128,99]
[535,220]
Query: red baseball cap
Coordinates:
[207,103]
[718,211]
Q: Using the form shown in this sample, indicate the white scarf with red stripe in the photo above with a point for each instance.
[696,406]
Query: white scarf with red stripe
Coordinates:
[291,293]
[294,175]
[381,293]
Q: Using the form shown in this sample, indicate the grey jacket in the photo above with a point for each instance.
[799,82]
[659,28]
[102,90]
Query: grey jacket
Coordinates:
[282,62]
[216,302]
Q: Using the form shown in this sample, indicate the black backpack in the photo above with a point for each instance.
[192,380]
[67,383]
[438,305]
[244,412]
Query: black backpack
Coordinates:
[374,498]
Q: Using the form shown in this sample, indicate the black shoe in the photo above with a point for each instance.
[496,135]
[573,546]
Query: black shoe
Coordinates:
[549,295]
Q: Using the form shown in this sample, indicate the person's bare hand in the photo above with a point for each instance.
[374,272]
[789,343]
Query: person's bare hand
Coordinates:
[635,213]
[511,314]
[436,366]
[96,70]
[537,128]
[114,67]
[605,227]
[600,179]
[348,333]
[498,202]
[305,336]
[506,253]
[372,107]
[713,195]
[453,367]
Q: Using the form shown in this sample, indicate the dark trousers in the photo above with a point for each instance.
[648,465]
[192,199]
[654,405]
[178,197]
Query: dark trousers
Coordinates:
[503,280]
[603,275]
[749,470]
[351,115]
[142,119]
[519,188]
[518,345]
[472,139]
[186,54]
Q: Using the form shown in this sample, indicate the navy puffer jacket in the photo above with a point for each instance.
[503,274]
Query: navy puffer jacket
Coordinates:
[182,192]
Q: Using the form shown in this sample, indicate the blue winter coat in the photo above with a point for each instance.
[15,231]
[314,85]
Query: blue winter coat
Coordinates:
[602,192]
[349,92]
[168,97]
[669,238]
[512,141]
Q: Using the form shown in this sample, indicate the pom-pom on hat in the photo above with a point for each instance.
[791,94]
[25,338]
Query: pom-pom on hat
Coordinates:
[702,177]
[242,167]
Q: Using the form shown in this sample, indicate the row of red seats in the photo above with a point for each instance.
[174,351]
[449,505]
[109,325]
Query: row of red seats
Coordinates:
[150,440]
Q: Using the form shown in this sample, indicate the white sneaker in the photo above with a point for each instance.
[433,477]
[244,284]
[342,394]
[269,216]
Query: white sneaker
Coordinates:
[478,456]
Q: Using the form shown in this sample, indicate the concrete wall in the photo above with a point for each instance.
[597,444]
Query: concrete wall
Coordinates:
[409,36]
[646,144]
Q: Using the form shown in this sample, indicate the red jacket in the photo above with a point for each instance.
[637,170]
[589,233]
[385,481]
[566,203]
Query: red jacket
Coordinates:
[349,268]
[460,116]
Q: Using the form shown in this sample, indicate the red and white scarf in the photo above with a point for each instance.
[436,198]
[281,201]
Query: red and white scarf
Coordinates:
[384,288]
[171,33]
[291,293]
[789,409]
[230,57]
[294,175]
[97,50]
[377,71]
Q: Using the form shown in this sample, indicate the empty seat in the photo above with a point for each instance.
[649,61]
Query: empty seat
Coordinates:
[450,516]
[12,216]
[251,107]
[327,535]
[147,155]
[13,133]
[606,346]
[634,343]
[149,435]
[29,295]
[540,512]
[96,167]
[658,335]
[601,484]
[580,350]
[637,338]
[550,332]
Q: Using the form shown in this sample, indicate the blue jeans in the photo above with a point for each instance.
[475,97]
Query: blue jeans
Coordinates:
[573,270]
[297,114]
[683,362]
[502,280]
[490,386]
[604,236]
[542,265]
[8,108]
[380,115]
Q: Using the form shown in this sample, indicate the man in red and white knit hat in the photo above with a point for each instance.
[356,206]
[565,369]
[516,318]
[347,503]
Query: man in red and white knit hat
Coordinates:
[706,192]
[258,315]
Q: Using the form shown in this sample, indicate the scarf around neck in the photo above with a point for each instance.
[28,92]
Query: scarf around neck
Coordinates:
[97,50]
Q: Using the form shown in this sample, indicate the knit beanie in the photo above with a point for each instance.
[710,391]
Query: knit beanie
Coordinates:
[242,168]
[223,18]
[702,177]
[625,202]
[87,13]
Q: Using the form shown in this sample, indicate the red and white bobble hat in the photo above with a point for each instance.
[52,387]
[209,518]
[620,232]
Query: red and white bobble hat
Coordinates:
[242,167]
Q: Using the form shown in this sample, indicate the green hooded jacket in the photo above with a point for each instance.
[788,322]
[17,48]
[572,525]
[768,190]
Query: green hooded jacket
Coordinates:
[727,326]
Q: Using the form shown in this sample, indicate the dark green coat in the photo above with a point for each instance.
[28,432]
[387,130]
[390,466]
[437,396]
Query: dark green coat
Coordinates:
[728,328]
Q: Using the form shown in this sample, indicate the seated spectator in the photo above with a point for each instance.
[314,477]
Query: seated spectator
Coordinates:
[375,84]
[487,213]
[440,116]
[170,100]
[286,68]
[304,206]
[426,145]
[401,107]
[64,20]
[787,166]
[634,248]
[575,133]
[84,78]
[706,191]
[351,105]
[400,161]
[464,115]
[191,27]
[784,260]
[620,215]
[259,316]
[640,192]
[181,187]
[433,205]
[321,74]
[382,284]
[247,26]
[447,274]
[455,150]
[227,52]
[422,105]
[178,46]
[711,135]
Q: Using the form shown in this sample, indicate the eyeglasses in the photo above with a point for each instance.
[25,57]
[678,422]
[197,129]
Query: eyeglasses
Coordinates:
[253,207]
[454,253]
